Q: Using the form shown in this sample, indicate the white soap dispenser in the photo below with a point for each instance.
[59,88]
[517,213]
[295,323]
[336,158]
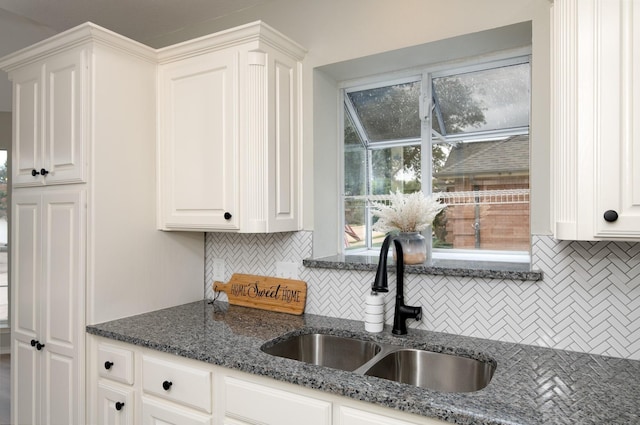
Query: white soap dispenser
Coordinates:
[374,312]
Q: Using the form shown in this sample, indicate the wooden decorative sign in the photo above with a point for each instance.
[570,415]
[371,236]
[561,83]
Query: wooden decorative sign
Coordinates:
[265,293]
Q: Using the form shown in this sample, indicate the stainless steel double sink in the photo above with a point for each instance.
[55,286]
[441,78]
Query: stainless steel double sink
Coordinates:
[422,368]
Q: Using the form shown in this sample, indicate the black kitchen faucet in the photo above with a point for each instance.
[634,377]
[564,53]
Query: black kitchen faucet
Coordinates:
[401,312]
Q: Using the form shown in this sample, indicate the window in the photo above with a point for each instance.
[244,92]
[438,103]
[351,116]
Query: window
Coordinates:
[473,125]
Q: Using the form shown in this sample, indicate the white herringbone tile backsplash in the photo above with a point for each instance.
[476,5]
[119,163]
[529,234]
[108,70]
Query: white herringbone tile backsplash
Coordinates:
[589,300]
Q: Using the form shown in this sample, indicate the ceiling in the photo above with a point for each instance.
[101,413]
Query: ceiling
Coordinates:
[24,22]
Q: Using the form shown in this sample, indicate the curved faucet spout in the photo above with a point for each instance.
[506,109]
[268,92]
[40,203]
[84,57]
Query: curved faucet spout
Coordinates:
[401,312]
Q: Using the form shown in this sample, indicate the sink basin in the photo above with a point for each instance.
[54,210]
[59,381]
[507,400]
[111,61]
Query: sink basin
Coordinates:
[325,350]
[436,371]
[422,368]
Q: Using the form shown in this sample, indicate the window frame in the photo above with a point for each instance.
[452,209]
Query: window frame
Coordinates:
[426,140]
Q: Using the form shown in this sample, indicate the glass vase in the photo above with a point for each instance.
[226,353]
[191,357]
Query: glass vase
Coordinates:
[414,247]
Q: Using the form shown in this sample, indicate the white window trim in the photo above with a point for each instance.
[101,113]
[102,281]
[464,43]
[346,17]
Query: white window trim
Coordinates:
[513,57]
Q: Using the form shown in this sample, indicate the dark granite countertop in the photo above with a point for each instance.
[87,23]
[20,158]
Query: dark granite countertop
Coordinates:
[531,385]
[439,267]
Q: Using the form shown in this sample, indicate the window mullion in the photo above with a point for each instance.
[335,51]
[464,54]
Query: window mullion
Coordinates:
[355,119]
[426,149]
[367,205]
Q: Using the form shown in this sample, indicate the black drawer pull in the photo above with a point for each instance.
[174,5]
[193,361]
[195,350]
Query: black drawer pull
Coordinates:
[166,385]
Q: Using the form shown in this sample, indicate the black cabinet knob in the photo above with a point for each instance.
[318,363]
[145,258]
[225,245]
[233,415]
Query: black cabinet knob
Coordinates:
[43,172]
[227,216]
[166,385]
[107,365]
[119,405]
[39,346]
[610,216]
[33,342]
[34,173]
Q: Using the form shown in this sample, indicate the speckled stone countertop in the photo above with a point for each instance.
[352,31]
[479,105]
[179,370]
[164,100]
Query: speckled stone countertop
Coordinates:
[480,269]
[531,385]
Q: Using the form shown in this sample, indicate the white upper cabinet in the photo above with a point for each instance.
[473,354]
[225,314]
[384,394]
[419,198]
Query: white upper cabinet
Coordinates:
[596,136]
[49,106]
[229,132]
[199,136]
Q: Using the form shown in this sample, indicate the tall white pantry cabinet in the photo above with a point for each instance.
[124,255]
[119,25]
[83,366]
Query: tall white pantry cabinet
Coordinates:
[84,244]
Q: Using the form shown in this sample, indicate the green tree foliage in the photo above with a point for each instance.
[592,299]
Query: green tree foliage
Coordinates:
[458,107]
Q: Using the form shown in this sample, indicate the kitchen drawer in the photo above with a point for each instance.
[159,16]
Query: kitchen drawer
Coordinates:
[160,414]
[350,416]
[259,404]
[186,385]
[115,363]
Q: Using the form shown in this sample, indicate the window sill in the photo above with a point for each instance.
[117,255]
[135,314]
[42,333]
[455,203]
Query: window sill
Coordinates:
[479,269]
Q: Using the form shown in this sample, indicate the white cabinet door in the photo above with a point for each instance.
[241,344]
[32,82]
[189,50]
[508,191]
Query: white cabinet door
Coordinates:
[198,150]
[596,120]
[25,280]
[48,236]
[64,143]
[618,132]
[229,133]
[48,121]
[27,125]
[115,405]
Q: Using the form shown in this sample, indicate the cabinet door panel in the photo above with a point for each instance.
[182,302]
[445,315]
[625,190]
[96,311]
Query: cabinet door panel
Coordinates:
[25,265]
[59,388]
[199,149]
[62,270]
[64,110]
[62,304]
[25,399]
[27,123]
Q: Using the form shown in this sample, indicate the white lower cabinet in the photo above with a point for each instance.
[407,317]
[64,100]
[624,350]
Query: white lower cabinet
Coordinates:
[167,389]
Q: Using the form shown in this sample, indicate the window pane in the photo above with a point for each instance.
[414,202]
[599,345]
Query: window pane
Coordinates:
[396,168]
[389,113]
[486,186]
[491,99]
[355,161]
